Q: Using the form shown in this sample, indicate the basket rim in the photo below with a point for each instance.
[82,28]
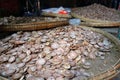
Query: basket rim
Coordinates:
[99,23]
[113,69]
[92,20]
[33,26]
[34,23]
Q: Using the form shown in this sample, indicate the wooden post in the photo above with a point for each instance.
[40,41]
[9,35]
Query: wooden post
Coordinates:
[27,5]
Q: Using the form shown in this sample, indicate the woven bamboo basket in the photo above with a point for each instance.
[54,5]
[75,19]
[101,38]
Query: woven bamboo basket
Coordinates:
[56,15]
[114,70]
[33,26]
[111,70]
[96,23]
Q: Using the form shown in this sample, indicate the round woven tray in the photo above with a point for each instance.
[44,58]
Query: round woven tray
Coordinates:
[111,70]
[56,15]
[115,68]
[96,23]
[33,26]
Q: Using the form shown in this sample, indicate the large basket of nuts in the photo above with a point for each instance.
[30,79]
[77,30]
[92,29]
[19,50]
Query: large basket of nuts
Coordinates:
[30,23]
[97,15]
[62,53]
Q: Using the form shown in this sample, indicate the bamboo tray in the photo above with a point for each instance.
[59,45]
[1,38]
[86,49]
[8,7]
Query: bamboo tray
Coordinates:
[100,22]
[56,15]
[113,69]
[33,26]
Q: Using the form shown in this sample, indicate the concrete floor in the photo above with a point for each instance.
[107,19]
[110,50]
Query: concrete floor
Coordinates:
[113,31]
[117,77]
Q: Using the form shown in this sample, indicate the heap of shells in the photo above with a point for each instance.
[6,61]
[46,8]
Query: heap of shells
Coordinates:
[99,12]
[56,54]
[17,20]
